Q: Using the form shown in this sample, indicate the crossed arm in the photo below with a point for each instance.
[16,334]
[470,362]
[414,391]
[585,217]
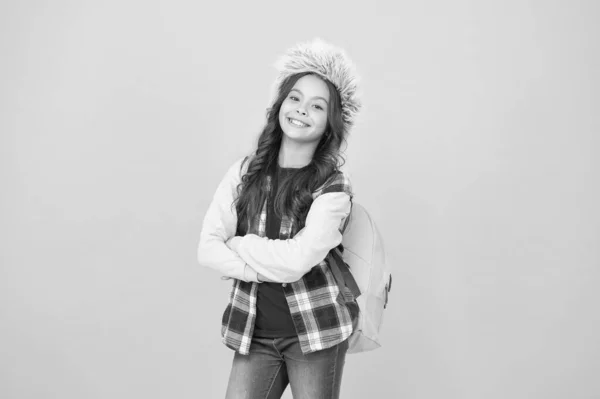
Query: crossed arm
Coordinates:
[254,258]
[232,244]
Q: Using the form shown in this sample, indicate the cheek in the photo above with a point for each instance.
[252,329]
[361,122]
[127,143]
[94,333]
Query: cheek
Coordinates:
[282,112]
[285,108]
[322,122]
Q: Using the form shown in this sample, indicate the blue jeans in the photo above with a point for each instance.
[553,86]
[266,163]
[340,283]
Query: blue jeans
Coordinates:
[273,363]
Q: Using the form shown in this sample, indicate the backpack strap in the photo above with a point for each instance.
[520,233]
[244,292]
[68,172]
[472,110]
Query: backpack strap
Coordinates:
[341,271]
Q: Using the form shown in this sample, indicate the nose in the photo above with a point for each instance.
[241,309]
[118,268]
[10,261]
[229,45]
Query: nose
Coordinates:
[301,111]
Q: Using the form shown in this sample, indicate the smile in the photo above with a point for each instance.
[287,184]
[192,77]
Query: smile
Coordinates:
[297,122]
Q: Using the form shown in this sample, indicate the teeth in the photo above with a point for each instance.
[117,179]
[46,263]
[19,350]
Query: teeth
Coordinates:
[297,123]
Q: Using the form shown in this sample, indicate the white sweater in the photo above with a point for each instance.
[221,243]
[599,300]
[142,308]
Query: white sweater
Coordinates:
[283,261]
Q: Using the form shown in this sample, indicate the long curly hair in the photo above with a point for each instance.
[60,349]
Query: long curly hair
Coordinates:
[294,195]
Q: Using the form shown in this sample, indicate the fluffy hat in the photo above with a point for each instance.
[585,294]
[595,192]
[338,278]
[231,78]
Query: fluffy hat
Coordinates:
[329,62]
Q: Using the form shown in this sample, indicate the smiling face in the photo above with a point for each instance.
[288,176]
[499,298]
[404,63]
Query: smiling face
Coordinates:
[303,113]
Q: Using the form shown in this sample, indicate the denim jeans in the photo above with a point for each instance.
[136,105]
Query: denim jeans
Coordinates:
[273,363]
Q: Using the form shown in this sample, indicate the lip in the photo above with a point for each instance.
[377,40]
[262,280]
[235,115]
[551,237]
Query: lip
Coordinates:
[296,119]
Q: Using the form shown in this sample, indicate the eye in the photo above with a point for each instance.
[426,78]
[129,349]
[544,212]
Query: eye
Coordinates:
[293,98]
[317,106]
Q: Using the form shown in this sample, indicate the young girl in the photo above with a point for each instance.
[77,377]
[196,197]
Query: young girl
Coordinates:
[273,221]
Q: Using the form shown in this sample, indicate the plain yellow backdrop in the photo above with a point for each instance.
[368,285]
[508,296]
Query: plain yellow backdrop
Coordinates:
[476,153]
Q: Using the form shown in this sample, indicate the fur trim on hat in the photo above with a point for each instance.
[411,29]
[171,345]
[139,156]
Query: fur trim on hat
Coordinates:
[329,62]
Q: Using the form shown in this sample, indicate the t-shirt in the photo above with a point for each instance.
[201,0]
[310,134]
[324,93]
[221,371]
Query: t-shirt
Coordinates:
[273,317]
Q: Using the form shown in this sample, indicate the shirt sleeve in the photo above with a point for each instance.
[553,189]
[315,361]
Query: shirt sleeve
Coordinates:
[288,260]
[220,223]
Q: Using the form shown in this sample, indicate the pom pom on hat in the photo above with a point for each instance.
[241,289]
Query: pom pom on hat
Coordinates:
[329,62]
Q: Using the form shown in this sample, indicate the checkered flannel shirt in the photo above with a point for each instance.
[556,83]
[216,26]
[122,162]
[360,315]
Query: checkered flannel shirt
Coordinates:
[323,315]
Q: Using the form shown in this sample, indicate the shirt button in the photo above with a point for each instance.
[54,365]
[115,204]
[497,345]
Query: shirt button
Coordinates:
[284,285]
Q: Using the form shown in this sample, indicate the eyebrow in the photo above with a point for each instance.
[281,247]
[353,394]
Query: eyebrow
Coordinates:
[313,97]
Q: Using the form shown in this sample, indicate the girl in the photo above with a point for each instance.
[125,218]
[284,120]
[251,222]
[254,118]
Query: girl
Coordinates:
[271,226]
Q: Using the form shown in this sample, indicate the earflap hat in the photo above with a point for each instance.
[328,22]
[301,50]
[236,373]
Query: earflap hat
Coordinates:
[329,62]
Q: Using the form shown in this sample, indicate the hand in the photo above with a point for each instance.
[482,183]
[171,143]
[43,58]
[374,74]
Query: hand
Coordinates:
[263,279]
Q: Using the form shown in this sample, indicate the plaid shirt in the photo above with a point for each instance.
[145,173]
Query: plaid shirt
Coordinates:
[322,314]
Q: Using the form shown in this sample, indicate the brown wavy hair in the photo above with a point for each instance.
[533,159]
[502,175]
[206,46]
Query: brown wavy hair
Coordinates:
[294,196]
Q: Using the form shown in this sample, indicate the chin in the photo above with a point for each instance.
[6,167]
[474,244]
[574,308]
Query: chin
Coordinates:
[294,137]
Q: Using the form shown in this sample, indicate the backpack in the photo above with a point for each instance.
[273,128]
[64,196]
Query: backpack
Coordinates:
[359,267]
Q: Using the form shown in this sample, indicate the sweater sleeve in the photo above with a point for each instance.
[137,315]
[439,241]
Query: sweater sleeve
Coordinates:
[219,225]
[288,260]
